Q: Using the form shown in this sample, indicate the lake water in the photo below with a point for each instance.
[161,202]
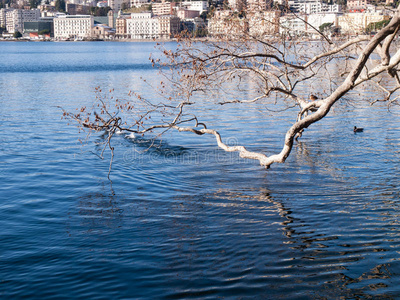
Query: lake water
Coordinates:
[187,220]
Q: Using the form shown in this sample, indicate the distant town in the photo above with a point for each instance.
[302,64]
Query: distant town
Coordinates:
[76,20]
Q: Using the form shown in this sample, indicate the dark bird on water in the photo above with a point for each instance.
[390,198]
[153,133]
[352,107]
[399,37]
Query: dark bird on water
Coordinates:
[358,129]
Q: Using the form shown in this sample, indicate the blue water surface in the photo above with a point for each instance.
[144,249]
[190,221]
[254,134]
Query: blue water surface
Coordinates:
[186,220]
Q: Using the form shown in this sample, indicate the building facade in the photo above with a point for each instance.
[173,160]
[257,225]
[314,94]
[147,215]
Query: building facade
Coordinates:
[356,4]
[3,13]
[187,14]
[102,31]
[163,8]
[293,25]
[313,7]
[39,27]
[77,9]
[263,23]
[355,23]
[168,26]
[15,19]
[226,24]
[142,26]
[200,6]
[316,20]
[258,5]
[78,26]
[120,27]
[147,26]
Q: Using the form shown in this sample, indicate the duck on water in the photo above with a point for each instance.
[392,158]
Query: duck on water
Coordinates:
[356,129]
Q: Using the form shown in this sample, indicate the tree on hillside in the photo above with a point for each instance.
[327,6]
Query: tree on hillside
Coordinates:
[34,3]
[244,67]
[99,11]
[60,5]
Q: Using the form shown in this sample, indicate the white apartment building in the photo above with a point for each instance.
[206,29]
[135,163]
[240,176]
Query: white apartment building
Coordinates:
[142,26]
[147,26]
[3,12]
[15,19]
[293,25]
[77,26]
[200,6]
[316,20]
[313,7]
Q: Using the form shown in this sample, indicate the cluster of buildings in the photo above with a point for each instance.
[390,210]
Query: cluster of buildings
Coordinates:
[297,17]
[163,20]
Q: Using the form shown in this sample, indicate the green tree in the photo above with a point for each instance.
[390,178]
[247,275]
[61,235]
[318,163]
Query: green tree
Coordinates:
[203,15]
[17,35]
[60,5]
[34,3]
[99,11]
[373,27]
[325,26]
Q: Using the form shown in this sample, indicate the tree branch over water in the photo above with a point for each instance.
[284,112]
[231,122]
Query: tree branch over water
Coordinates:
[252,70]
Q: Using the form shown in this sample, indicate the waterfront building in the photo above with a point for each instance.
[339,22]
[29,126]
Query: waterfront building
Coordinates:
[15,19]
[102,31]
[147,26]
[34,28]
[168,26]
[356,23]
[196,26]
[78,26]
[3,16]
[142,26]
[120,27]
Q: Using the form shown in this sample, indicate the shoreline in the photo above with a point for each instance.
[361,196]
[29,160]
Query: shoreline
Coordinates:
[203,39]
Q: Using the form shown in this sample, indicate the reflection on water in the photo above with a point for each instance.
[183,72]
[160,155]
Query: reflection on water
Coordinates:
[185,219]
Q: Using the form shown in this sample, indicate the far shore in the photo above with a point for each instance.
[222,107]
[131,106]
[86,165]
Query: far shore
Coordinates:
[197,39]
[106,40]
